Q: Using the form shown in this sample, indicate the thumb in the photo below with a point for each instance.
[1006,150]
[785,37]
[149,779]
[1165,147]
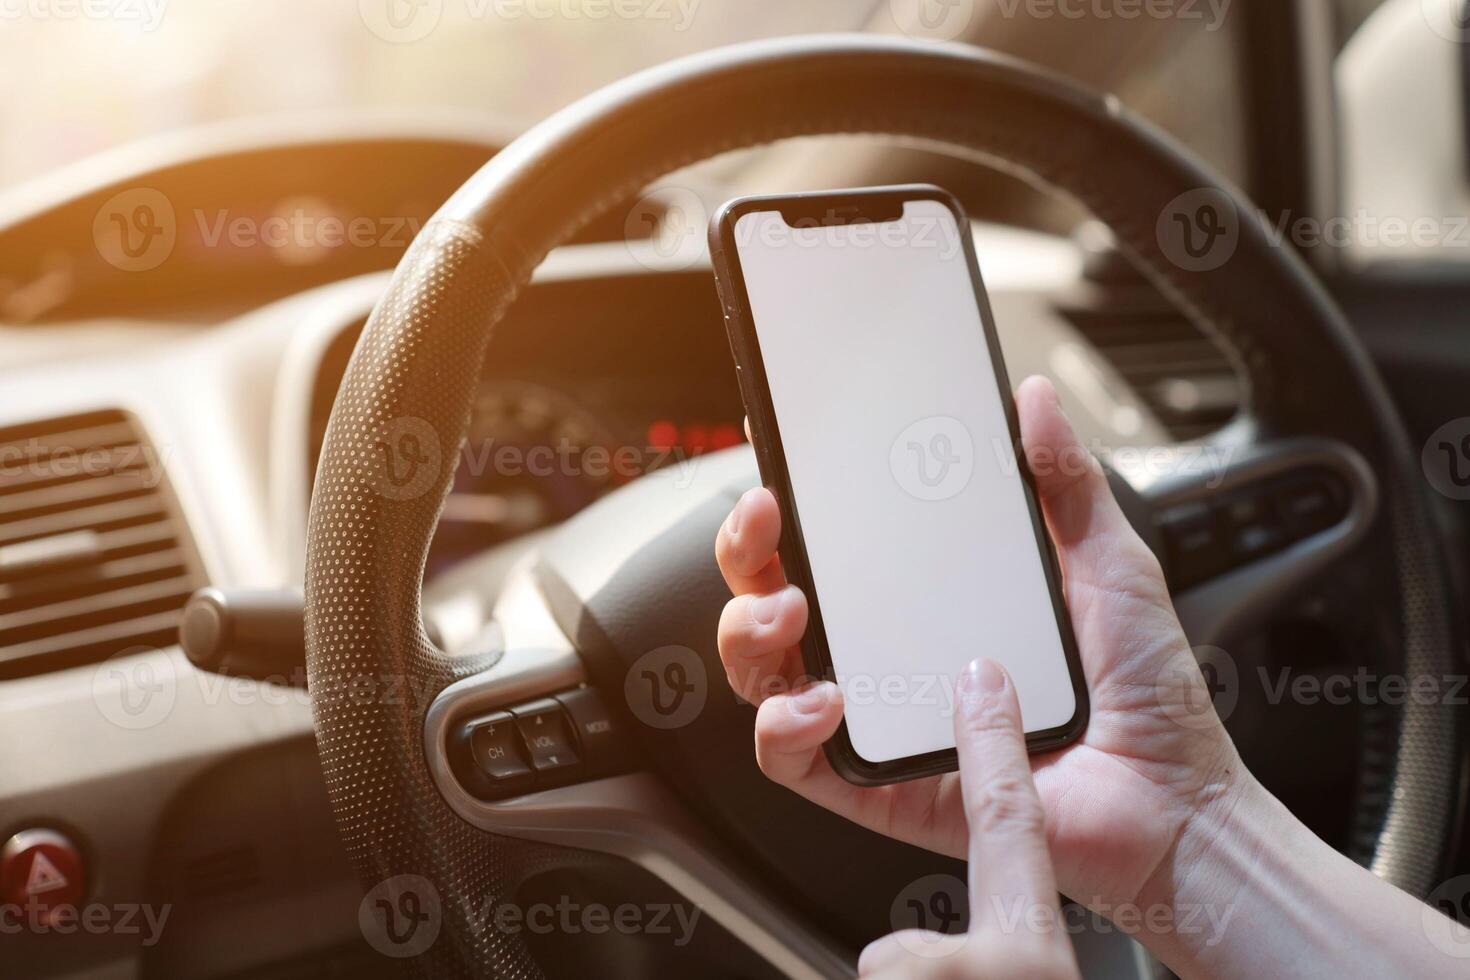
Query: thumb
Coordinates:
[1086,523]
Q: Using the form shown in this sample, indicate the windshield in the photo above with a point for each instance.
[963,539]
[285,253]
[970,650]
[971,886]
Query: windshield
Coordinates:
[103,72]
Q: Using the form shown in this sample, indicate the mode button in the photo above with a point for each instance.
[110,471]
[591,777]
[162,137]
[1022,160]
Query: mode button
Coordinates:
[605,743]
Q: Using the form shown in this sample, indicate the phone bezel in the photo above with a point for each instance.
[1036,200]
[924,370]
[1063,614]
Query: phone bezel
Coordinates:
[845,206]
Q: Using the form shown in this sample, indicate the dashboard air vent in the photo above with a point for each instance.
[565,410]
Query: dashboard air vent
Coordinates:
[1183,375]
[221,872]
[93,556]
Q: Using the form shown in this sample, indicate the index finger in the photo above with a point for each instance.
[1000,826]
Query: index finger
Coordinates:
[1011,878]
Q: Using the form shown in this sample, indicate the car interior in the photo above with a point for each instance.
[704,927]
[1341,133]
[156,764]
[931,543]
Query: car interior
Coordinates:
[236,268]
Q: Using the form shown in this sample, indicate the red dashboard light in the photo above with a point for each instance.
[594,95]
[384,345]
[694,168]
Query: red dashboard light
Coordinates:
[724,436]
[696,439]
[663,434]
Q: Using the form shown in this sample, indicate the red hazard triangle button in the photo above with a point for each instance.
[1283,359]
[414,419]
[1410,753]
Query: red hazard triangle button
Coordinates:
[44,876]
[41,869]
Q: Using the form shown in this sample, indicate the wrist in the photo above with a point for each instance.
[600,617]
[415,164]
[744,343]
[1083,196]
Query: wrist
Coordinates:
[1248,887]
[1204,880]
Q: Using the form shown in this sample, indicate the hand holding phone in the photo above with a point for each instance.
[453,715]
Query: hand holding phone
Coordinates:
[876,393]
[1147,776]
[1150,812]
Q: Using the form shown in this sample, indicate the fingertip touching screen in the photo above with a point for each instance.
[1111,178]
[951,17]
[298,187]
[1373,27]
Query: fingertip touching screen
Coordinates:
[919,534]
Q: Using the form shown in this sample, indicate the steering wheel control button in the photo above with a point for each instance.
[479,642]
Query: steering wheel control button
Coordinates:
[1254,530]
[491,759]
[1192,539]
[1310,504]
[603,736]
[41,872]
[549,739]
[540,745]
[496,751]
[1207,539]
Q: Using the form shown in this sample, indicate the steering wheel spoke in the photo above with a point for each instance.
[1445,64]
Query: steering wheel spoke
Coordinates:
[1242,523]
[631,813]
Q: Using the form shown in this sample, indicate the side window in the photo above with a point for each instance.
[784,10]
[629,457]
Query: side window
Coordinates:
[1401,82]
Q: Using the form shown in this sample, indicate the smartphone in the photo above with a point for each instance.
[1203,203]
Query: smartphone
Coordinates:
[884,424]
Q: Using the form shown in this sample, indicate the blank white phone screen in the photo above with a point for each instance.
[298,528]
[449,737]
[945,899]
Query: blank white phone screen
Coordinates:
[912,508]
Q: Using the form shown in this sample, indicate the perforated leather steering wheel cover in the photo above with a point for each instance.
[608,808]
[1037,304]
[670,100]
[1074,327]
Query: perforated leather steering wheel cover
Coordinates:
[420,355]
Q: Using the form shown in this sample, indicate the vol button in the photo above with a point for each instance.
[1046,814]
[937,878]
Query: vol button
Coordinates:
[548,738]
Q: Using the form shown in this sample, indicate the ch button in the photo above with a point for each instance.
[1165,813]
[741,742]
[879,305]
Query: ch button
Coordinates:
[549,739]
[495,750]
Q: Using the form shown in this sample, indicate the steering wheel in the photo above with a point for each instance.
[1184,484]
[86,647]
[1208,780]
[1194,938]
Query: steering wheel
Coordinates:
[635,574]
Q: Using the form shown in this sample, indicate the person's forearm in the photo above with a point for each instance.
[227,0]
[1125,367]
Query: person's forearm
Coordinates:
[1267,897]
